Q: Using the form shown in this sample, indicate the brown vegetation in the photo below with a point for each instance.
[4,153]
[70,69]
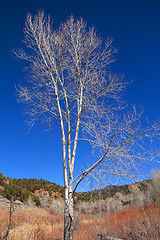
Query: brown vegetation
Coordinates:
[131,223]
[130,215]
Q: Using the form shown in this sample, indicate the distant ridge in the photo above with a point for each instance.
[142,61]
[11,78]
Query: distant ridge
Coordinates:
[23,189]
[111,190]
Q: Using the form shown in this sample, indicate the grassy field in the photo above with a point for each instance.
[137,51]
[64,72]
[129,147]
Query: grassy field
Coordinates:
[131,223]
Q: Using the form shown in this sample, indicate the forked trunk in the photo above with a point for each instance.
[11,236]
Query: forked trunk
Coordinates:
[68,215]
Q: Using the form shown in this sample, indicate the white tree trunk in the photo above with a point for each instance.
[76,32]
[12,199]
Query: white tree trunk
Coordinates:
[68,214]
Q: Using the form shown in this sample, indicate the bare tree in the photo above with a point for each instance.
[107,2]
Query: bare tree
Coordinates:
[70,81]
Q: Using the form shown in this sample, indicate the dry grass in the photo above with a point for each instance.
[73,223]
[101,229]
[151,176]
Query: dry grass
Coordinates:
[26,225]
[131,223]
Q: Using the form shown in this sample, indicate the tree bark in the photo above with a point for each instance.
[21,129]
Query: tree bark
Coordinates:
[68,214]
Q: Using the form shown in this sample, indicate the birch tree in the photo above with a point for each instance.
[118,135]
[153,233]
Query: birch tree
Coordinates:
[70,82]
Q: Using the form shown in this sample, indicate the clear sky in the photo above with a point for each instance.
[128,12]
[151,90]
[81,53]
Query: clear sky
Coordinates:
[135,27]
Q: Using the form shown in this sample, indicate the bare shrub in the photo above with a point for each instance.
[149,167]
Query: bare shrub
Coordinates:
[29,202]
[154,187]
[111,204]
[136,196]
[86,207]
[58,205]
[146,224]
[45,200]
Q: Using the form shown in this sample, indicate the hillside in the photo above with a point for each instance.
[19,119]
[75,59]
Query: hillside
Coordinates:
[110,190]
[42,192]
[25,189]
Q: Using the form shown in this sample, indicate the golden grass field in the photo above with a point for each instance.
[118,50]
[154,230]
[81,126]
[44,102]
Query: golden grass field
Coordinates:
[132,223]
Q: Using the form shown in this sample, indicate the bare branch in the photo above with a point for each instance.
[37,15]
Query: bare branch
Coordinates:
[70,80]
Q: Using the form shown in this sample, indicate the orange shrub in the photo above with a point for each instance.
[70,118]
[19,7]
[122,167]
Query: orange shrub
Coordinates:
[131,223]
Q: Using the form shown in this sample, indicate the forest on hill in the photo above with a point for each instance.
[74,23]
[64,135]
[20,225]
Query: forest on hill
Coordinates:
[22,189]
[42,193]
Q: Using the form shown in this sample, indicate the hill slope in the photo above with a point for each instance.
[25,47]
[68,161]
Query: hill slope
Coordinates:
[42,192]
[23,189]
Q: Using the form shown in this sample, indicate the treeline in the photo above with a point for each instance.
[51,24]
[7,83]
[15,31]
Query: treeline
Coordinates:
[110,191]
[140,194]
[22,189]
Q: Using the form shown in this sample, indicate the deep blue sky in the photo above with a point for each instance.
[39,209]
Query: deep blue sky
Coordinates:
[134,26]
